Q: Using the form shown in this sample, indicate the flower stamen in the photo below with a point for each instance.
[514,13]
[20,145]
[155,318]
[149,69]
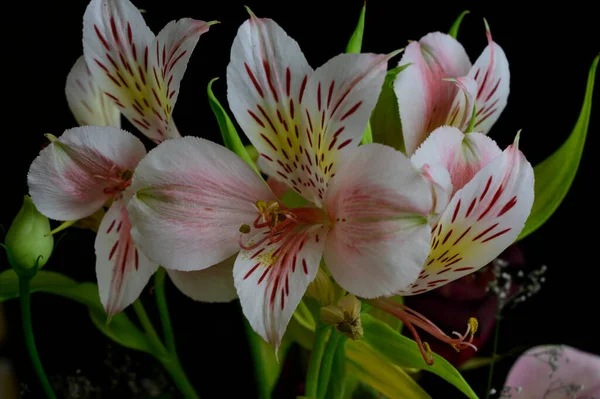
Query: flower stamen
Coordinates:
[411,318]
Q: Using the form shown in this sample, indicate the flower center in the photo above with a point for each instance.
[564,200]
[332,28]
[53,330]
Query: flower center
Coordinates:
[118,182]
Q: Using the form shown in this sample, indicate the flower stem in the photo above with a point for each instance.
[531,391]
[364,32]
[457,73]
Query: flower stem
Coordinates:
[494,355]
[24,292]
[163,309]
[260,368]
[314,364]
[169,360]
[338,370]
[328,356]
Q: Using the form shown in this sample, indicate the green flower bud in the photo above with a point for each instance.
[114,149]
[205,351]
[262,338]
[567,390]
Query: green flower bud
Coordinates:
[28,241]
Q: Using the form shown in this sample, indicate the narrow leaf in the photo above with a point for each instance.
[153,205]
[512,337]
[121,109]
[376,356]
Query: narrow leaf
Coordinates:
[120,329]
[456,25]
[355,43]
[385,119]
[404,352]
[376,370]
[231,139]
[554,175]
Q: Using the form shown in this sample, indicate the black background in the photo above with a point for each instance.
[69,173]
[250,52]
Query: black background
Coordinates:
[550,50]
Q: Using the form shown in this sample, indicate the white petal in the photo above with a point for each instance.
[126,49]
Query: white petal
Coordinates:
[424,98]
[86,101]
[272,278]
[75,175]
[380,238]
[481,221]
[122,270]
[214,284]
[191,198]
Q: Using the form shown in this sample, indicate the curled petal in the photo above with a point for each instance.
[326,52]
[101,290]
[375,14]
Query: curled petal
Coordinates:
[493,83]
[77,173]
[483,218]
[214,284]
[86,101]
[139,72]
[122,270]
[191,197]
[461,112]
[424,97]
[462,155]
[378,205]
[272,277]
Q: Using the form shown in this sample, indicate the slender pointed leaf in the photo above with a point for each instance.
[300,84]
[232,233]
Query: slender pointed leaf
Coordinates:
[120,329]
[554,175]
[404,352]
[231,139]
[456,25]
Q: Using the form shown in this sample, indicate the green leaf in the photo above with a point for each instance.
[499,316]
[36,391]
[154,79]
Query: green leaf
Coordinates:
[355,44]
[454,29]
[120,329]
[404,352]
[231,139]
[554,175]
[385,119]
[376,370]
[304,316]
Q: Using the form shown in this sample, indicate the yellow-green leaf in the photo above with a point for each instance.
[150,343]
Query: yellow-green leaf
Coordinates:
[375,370]
[456,25]
[231,139]
[404,352]
[554,175]
[120,329]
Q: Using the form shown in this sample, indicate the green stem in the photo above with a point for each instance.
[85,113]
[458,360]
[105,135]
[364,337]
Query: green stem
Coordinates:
[260,369]
[494,355]
[338,371]
[169,360]
[314,364]
[24,293]
[328,356]
[163,309]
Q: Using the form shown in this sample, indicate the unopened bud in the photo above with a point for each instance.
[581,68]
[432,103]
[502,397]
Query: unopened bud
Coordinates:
[321,288]
[28,242]
[345,316]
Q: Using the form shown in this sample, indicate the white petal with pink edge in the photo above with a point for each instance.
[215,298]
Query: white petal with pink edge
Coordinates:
[424,98]
[299,121]
[272,278]
[139,72]
[340,97]
[76,174]
[266,83]
[86,101]
[483,219]
[492,75]
[462,155]
[213,284]
[122,269]
[191,197]
[379,206]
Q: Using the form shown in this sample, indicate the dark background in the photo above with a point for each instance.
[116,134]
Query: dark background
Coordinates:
[550,50]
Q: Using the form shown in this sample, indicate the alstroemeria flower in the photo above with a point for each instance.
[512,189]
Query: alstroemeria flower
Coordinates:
[138,71]
[89,105]
[554,372]
[74,177]
[482,206]
[197,203]
[441,87]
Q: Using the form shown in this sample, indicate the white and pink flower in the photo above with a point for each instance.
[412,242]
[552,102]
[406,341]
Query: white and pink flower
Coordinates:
[197,203]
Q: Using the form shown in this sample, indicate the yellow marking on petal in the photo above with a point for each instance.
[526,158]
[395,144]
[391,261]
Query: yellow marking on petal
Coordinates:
[267,259]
